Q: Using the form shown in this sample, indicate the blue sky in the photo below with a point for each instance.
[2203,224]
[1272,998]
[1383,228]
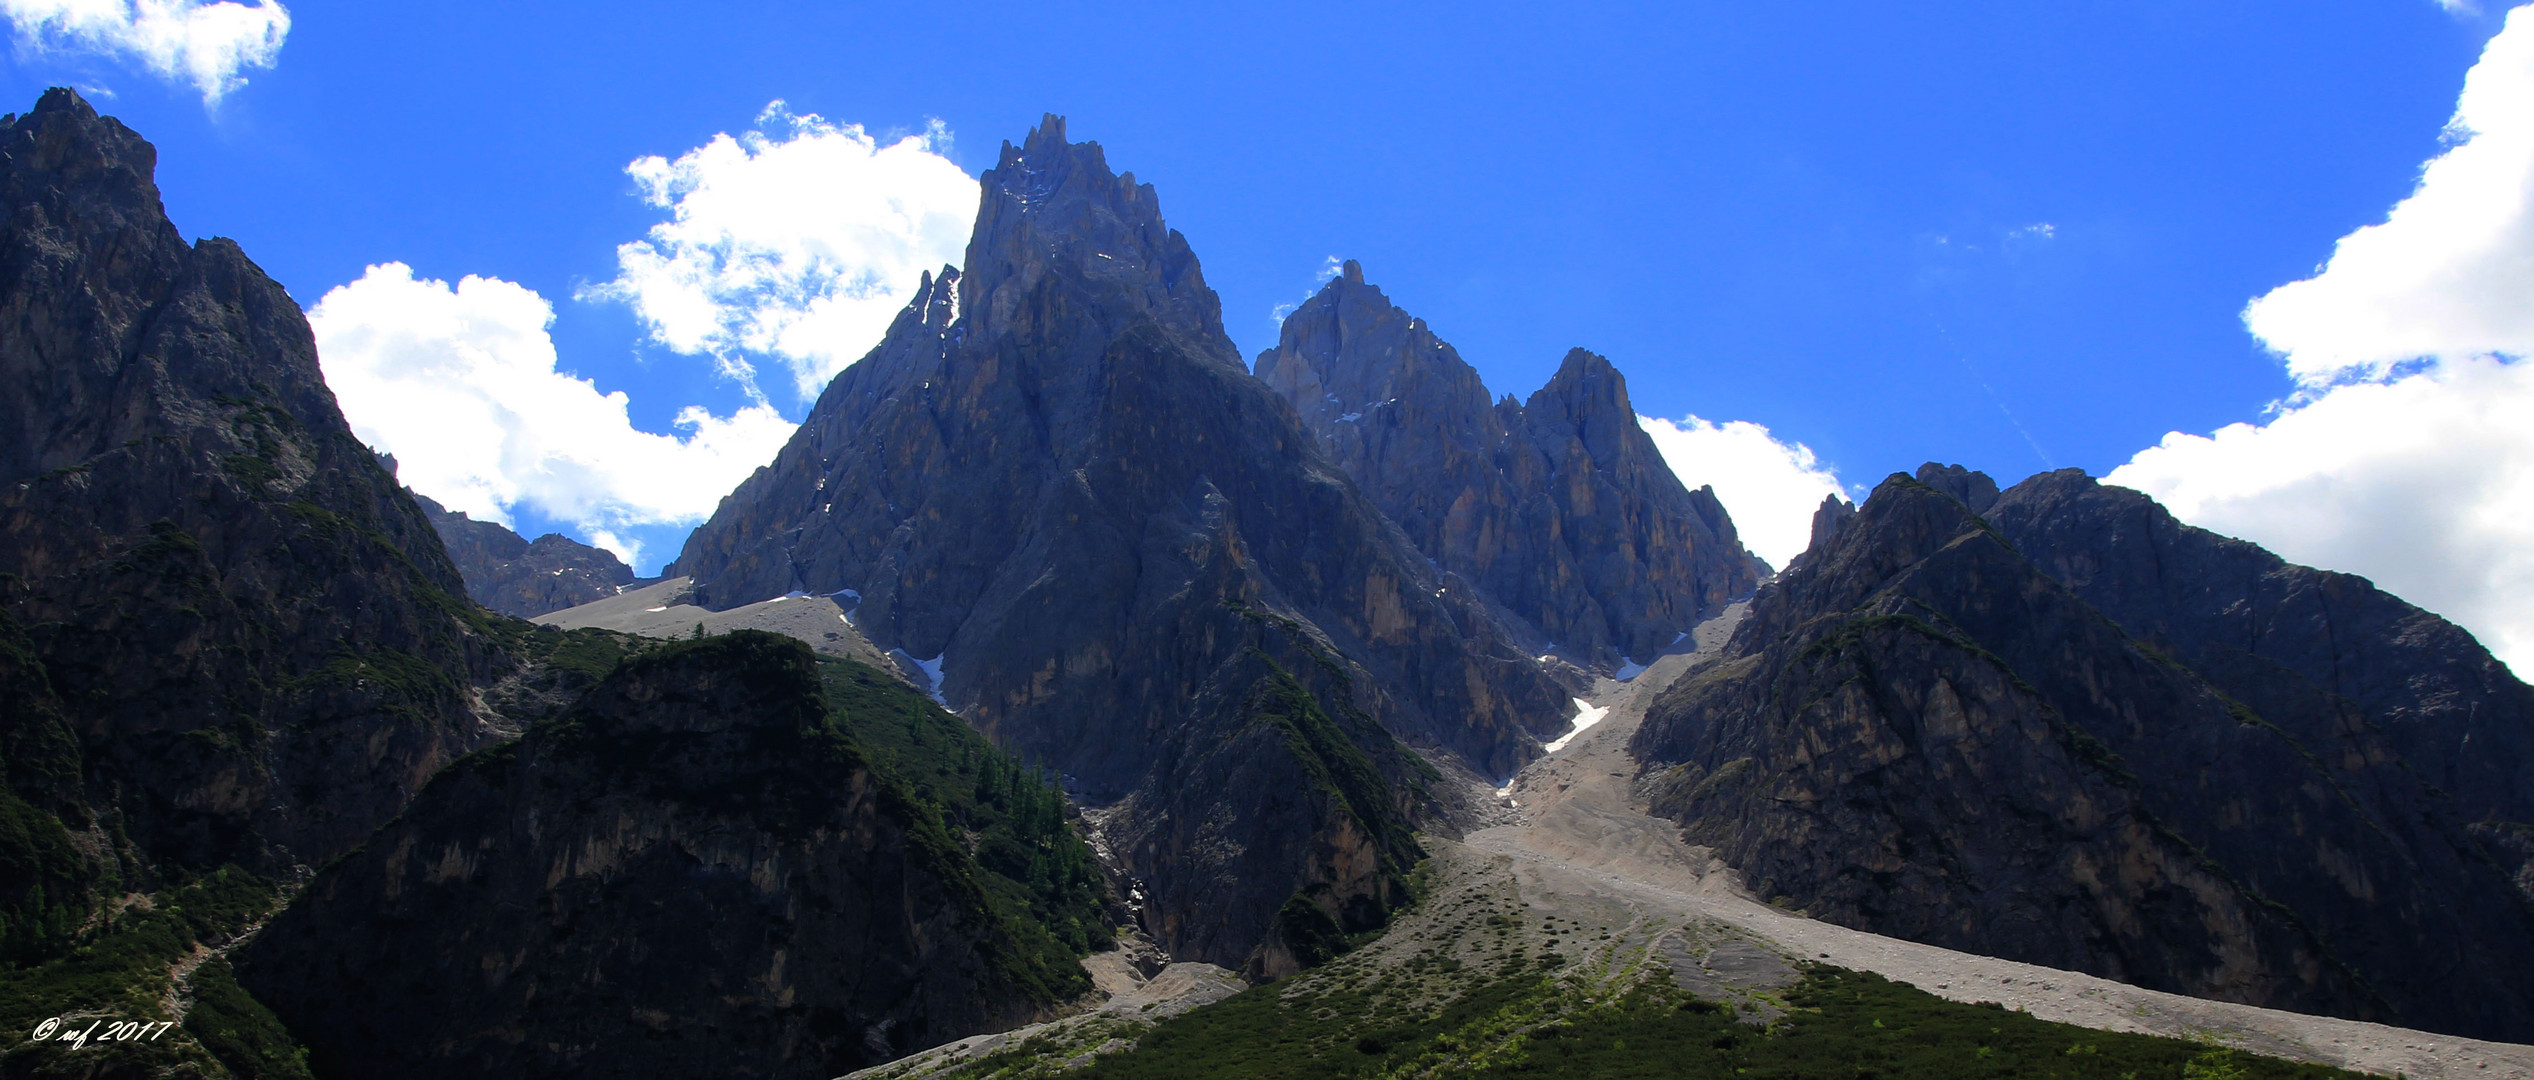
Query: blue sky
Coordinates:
[2014,236]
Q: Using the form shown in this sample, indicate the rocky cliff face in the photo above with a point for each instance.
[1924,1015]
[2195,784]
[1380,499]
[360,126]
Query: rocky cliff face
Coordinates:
[1055,480]
[258,648]
[1922,730]
[694,872]
[508,573]
[1560,508]
[2329,657]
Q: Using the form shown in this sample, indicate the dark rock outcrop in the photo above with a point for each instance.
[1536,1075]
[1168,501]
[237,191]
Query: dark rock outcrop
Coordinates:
[1560,508]
[251,632]
[2328,657]
[1832,515]
[1925,732]
[508,573]
[693,873]
[1055,480]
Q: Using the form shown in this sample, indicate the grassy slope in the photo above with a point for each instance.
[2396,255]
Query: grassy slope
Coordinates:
[1522,1023]
[1036,869]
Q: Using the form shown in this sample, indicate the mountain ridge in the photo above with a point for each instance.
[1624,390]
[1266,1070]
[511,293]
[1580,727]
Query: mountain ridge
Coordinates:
[988,486]
[1921,733]
[1560,508]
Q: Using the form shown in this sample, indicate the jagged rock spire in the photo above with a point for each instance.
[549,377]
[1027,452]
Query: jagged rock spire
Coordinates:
[1560,508]
[1066,493]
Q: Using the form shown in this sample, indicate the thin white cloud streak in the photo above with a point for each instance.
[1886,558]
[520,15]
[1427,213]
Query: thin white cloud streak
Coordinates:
[796,242]
[2408,455]
[1330,268]
[206,45]
[2448,272]
[460,384]
[1770,487]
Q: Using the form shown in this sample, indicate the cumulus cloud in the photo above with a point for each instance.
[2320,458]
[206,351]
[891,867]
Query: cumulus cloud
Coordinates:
[2407,456]
[797,241]
[2424,485]
[208,45]
[2448,271]
[1770,487]
[460,384]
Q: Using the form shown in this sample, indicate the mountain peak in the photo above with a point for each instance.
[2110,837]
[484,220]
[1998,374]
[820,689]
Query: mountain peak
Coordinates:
[62,152]
[1974,488]
[1464,476]
[1052,206]
[63,99]
[1589,397]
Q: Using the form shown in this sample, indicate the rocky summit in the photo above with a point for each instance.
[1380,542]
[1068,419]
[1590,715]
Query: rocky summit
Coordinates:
[2063,731]
[1055,483]
[513,575]
[1560,508]
[258,648]
[1211,735]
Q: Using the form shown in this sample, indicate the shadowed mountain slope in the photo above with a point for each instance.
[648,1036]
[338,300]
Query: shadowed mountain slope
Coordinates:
[1921,732]
[696,871]
[1054,481]
[1560,508]
[259,648]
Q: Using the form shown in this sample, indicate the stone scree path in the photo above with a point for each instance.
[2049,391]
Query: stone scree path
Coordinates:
[1582,834]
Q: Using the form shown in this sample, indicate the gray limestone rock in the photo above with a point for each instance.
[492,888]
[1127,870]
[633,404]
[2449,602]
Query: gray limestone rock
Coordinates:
[510,574]
[2073,733]
[1559,508]
[1054,480]
[254,634]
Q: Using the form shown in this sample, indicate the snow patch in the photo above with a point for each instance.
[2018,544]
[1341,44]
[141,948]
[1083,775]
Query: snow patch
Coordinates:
[1628,669]
[932,673]
[663,607]
[1585,717]
[1350,418]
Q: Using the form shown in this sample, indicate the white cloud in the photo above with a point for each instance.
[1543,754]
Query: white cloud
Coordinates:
[2448,271]
[1330,268]
[2408,456]
[1771,488]
[800,243]
[205,44]
[2424,485]
[460,384]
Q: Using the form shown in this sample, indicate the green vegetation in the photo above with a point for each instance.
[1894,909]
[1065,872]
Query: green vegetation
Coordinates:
[239,1030]
[1845,1023]
[1523,1023]
[1009,819]
[36,922]
[124,970]
[46,886]
[993,831]
[587,654]
[1347,780]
